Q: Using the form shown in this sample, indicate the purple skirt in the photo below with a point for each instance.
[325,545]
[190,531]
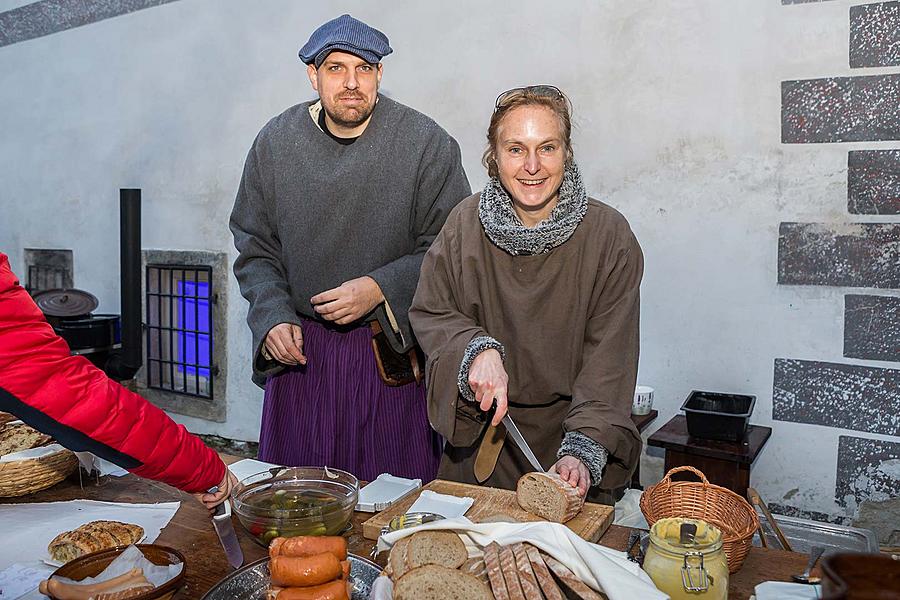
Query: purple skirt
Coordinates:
[335,411]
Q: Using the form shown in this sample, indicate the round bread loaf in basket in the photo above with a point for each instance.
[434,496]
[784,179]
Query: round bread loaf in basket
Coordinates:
[708,502]
[28,475]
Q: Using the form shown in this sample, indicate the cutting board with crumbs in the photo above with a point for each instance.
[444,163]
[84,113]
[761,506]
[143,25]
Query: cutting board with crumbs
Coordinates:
[591,522]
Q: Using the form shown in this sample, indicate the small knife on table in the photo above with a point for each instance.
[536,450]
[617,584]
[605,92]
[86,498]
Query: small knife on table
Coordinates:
[521,443]
[225,530]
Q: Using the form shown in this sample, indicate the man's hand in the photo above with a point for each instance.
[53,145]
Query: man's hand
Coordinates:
[212,500]
[489,381]
[351,301]
[284,343]
[573,470]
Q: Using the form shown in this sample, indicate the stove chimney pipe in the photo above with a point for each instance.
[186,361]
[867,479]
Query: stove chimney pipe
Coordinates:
[125,363]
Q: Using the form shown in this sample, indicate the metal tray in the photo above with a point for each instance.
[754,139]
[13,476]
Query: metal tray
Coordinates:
[250,582]
[803,534]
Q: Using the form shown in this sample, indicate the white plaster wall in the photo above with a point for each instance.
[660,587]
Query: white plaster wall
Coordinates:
[677,107]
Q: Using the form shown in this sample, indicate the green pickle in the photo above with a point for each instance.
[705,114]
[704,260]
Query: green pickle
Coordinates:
[269,535]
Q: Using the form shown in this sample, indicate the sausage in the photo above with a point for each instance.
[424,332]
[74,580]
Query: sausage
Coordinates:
[307,545]
[70,591]
[345,569]
[305,570]
[333,590]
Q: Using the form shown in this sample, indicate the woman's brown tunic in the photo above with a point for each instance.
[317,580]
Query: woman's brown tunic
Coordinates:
[568,321]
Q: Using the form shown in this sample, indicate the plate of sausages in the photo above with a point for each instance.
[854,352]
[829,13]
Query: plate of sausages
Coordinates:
[301,568]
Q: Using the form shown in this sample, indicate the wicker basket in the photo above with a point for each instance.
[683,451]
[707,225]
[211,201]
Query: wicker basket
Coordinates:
[708,502]
[21,477]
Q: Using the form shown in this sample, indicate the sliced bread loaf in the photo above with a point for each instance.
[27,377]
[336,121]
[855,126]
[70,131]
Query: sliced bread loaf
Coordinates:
[511,573]
[476,567]
[526,576]
[571,581]
[443,548]
[542,573]
[548,496]
[435,582]
[494,571]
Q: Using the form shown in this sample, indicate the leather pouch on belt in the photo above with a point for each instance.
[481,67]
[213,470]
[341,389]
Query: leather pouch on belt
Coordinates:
[489,452]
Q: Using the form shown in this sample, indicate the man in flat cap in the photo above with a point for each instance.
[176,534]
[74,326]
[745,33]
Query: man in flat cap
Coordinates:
[340,198]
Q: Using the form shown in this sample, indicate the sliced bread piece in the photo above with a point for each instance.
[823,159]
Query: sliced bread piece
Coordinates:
[548,496]
[436,582]
[14,438]
[570,580]
[494,571]
[526,576]
[397,559]
[542,573]
[511,573]
[443,548]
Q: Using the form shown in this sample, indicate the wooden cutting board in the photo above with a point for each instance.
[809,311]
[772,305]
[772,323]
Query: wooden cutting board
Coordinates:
[591,522]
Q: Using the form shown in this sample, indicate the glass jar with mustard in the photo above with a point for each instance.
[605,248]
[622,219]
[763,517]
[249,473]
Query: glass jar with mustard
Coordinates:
[685,559]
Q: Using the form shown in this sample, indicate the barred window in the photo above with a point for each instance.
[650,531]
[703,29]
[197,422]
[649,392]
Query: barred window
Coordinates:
[179,303]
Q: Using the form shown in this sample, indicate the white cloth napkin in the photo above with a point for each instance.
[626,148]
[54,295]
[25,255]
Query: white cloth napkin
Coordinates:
[601,568]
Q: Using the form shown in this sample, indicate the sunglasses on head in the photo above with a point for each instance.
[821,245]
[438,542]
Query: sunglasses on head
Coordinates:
[547,91]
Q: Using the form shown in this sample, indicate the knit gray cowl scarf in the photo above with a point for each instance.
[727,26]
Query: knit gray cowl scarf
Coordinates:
[506,231]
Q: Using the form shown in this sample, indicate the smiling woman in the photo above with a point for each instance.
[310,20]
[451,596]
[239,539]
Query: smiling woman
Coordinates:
[528,302]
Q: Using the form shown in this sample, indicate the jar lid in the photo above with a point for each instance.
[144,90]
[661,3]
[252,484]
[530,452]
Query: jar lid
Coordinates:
[680,535]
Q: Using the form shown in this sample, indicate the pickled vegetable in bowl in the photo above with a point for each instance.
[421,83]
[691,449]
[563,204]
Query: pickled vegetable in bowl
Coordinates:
[295,501]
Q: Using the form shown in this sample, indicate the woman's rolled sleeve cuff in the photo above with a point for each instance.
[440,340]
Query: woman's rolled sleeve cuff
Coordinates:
[589,452]
[475,347]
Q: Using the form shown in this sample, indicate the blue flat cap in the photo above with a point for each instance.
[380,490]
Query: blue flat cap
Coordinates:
[347,34]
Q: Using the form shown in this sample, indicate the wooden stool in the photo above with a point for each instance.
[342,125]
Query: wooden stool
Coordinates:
[724,463]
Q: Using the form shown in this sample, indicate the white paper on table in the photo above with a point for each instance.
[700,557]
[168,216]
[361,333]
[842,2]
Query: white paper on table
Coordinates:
[449,507]
[31,453]
[21,578]
[247,467]
[783,590]
[91,462]
[29,528]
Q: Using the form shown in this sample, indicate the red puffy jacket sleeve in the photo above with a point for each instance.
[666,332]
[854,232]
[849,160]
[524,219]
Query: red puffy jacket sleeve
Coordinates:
[70,399]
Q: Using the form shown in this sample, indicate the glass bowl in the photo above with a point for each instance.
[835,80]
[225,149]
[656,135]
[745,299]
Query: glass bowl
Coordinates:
[295,501]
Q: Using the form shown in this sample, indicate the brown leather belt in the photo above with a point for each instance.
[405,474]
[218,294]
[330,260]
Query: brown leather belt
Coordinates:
[489,452]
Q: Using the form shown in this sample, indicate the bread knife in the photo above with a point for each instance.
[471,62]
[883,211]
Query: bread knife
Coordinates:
[521,443]
[225,530]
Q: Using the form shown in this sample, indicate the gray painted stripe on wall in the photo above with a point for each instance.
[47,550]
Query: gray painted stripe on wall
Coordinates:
[873,182]
[51,16]
[839,254]
[837,395]
[872,327]
[875,35]
[866,470]
[840,109]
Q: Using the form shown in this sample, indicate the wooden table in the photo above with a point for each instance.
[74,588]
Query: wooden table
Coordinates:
[724,463]
[191,532]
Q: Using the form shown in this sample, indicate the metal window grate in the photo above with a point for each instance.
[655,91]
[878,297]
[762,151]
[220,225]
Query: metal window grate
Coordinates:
[41,277]
[179,329]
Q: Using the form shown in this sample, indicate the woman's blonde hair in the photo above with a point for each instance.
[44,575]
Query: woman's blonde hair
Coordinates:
[532,95]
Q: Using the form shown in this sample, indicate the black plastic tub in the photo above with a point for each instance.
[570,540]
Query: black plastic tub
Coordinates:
[716,416]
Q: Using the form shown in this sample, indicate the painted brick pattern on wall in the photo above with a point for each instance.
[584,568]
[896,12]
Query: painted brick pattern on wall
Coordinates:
[867,470]
[875,35]
[872,327]
[873,181]
[840,109]
[837,395]
[51,16]
[839,254]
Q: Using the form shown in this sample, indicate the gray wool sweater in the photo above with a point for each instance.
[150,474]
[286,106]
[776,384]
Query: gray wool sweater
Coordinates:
[312,213]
